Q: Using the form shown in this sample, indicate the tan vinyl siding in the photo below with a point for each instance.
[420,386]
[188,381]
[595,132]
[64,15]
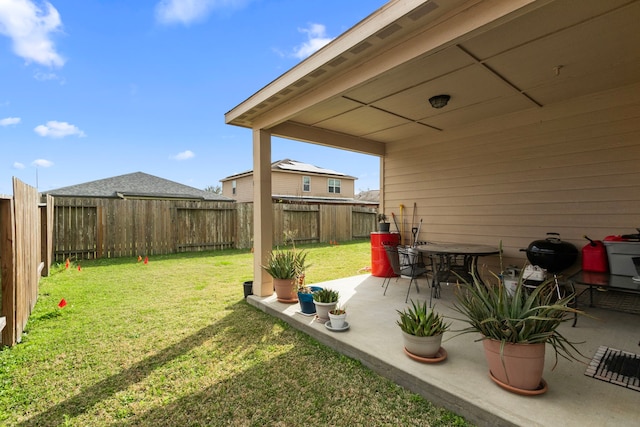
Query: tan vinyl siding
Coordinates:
[289,184]
[286,183]
[244,189]
[576,172]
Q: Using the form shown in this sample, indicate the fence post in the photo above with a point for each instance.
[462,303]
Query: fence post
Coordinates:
[8,268]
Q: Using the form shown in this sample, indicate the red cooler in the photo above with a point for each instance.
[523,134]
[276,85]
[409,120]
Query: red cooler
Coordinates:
[380,266]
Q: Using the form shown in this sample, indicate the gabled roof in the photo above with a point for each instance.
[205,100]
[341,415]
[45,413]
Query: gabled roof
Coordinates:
[134,186]
[288,165]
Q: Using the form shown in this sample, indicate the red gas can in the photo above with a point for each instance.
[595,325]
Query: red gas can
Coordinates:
[594,257]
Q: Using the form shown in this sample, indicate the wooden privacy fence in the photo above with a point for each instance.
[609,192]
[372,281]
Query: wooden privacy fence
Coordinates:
[87,228]
[24,239]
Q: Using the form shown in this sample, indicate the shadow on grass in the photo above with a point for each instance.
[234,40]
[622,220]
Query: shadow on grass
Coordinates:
[107,388]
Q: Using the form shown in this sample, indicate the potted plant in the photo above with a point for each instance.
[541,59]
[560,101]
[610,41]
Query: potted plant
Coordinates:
[422,330]
[383,223]
[325,300]
[515,329]
[305,296]
[337,317]
[286,266]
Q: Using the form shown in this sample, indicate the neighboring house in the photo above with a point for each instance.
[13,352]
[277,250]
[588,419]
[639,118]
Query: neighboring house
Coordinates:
[369,196]
[139,214]
[137,185]
[501,120]
[294,181]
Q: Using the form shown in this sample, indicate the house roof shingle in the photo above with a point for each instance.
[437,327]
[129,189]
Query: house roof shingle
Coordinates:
[136,185]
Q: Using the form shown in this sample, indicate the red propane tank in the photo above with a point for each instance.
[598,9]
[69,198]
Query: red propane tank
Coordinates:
[594,256]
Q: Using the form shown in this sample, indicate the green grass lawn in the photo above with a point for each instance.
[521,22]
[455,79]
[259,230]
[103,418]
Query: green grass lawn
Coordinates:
[173,343]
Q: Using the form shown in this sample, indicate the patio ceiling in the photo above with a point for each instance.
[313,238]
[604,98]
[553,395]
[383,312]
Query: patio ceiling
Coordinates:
[371,86]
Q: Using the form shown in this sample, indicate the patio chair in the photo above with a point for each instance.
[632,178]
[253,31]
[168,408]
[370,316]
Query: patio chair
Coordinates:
[450,270]
[407,264]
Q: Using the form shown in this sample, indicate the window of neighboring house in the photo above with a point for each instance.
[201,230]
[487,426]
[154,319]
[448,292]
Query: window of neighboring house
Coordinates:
[334,186]
[233,187]
[306,183]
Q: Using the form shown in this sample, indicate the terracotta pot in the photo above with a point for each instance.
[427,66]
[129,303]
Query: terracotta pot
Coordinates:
[422,346]
[323,309]
[519,366]
[285,291]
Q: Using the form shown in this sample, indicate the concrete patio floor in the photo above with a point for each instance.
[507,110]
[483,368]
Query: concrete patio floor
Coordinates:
[461,382]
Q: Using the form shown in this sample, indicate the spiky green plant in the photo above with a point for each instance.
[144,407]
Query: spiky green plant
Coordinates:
[527,316]
[286,264]
[419,321]
[338,310]
[326,295]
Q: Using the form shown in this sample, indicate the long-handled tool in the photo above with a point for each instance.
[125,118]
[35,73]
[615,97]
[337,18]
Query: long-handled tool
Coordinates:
[401,223]
[415,235]
[414,229]
[395,222]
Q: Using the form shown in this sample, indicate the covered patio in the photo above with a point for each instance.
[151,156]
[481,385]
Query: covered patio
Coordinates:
[540,133]
[461,382]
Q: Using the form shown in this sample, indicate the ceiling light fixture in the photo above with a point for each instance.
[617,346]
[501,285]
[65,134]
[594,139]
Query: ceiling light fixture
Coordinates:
[439,101]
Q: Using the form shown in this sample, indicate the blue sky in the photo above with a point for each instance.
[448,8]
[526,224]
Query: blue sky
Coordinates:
[91,89]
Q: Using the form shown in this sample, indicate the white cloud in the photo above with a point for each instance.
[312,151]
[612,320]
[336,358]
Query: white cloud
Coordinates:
[43,77]
[30,27]
[9,121]
[42,163]
[56,129]
[317,38]
[188,11]
[188,154]
[18,165]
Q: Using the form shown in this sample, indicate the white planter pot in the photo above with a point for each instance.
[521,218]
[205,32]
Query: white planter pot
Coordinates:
[422,346]
[323,309]
[337,320]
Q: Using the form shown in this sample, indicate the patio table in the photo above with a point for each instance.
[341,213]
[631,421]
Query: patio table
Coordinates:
[443,261]
[605,281]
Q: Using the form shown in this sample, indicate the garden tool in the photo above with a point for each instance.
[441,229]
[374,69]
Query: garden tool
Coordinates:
[414,229]
[401,223]
[416,233]
[395,221]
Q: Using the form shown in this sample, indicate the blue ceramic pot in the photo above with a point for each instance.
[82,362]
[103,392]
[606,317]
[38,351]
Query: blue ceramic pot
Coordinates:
[306,301]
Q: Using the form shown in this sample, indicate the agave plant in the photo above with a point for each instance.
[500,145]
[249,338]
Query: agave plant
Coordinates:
[326,295]
[417,320]
[527,316]
[286,264]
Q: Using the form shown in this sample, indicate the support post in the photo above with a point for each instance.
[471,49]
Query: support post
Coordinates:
[262,211]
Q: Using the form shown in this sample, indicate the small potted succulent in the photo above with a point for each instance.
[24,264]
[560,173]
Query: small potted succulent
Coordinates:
[383,223]
[325,300]
[305,296]
[337,316]
[422,330]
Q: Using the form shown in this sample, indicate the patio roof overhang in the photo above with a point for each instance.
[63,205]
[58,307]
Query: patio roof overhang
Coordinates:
[506,64]
[370,87]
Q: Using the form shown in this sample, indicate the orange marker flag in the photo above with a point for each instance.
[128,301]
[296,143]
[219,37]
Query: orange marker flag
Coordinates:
[62,303]
[66,264]
[146,260]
